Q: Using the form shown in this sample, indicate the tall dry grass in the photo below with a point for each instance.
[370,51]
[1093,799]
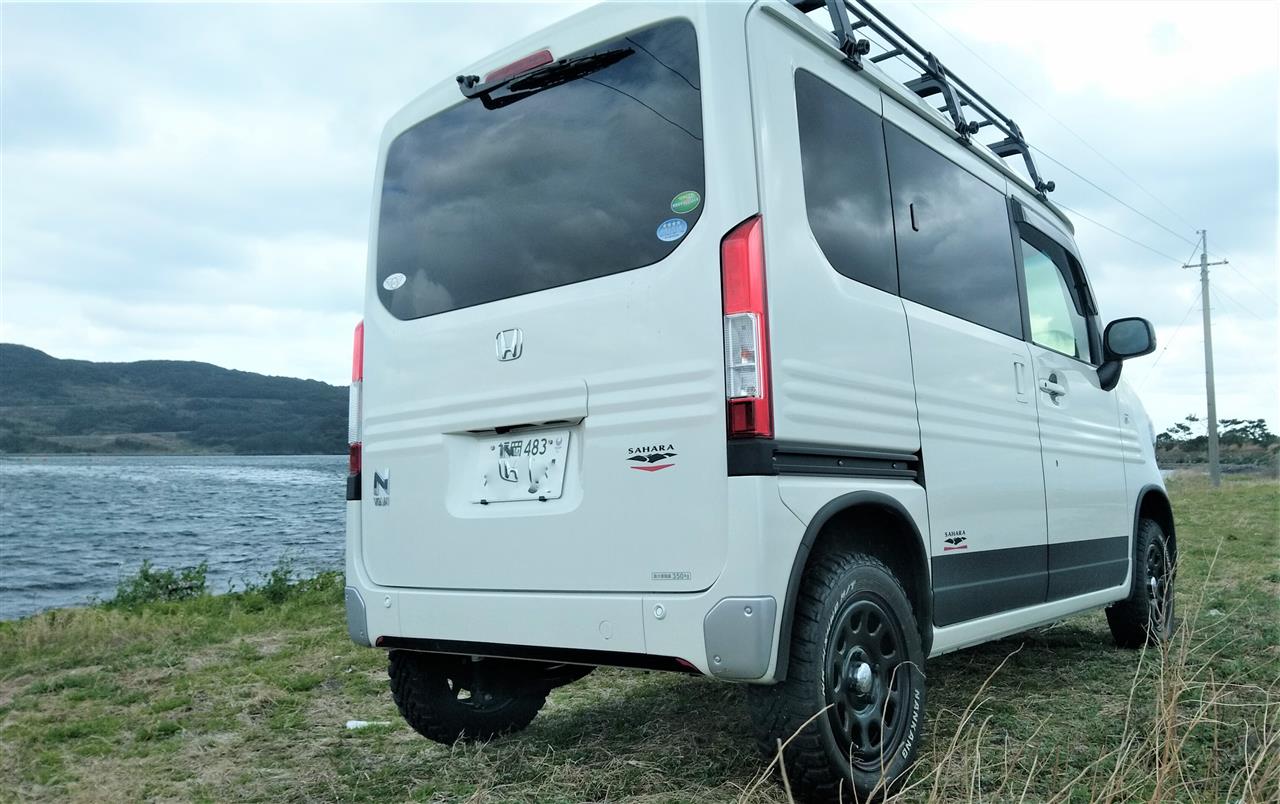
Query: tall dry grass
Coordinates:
[1190,733]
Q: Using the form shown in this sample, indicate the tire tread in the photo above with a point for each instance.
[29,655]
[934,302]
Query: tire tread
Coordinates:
[780,710]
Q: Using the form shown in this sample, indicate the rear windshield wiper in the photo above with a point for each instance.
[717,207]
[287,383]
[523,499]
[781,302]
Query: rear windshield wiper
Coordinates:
[522,85]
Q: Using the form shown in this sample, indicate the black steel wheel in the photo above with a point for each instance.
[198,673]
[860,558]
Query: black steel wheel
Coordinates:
[1146,616]
[856,662]
[451,698]
[864,688]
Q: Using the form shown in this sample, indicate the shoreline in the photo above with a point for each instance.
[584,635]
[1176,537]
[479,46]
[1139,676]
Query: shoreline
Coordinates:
[4,455]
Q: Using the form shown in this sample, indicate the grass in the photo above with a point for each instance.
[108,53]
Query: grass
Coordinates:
[246,696]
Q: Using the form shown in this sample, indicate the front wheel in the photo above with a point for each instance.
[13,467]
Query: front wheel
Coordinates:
[854,694]
[1146,616]
[449,698]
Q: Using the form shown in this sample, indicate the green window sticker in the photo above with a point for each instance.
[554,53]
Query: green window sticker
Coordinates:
[686,202]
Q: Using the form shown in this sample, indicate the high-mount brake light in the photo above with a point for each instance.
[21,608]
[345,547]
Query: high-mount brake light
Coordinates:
[536,59]
[355,401]
[746,332]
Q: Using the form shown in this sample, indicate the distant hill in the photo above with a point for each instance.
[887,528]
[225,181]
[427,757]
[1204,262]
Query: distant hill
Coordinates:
[49,405]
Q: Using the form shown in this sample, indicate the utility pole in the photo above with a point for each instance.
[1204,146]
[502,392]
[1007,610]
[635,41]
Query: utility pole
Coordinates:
[1215,473]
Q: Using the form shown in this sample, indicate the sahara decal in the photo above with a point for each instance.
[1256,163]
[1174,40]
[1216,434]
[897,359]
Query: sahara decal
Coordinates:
[652,458]
[955,540]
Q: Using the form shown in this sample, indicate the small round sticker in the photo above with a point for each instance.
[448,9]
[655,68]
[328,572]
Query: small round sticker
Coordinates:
[685,202]
[672,229]
[394,281]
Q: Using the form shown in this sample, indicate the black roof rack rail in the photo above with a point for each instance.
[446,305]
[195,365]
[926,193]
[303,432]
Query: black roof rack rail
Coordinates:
[850,16]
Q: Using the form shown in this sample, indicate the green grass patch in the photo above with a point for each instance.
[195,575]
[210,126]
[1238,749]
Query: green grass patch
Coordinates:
[245,696]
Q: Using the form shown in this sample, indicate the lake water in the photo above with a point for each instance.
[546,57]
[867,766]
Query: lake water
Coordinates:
[71,528]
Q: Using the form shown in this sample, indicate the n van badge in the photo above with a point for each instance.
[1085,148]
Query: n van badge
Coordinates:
[382,487]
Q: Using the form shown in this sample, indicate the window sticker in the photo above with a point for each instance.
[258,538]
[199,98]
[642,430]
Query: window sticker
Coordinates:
[685,202]
[672,229]
[394,281]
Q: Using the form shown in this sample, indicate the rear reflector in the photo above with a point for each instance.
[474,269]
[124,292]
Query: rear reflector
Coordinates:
[746,332]
[355,400]
[536,59]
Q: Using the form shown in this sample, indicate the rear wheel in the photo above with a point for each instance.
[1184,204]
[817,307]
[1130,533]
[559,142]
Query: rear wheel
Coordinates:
[1146,616]
[449,698]
[857,664]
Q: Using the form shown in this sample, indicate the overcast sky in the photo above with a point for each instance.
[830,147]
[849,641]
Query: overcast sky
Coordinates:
[193,182]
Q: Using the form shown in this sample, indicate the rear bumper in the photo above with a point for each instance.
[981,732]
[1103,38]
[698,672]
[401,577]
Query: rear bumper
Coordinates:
[729,631]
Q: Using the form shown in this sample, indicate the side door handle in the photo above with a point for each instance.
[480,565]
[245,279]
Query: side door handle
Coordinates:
[1052,387]
[1021,390]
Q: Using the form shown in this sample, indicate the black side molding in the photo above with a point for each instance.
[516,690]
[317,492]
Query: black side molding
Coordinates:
[353,487]
[969,585]
[766,456]
[1089,565]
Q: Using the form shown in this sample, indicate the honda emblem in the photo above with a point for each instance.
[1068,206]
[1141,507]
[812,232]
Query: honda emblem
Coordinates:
[509,344]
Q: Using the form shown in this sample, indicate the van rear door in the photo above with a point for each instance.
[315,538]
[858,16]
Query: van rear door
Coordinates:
[544,386]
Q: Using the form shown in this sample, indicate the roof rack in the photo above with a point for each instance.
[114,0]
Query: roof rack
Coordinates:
[935,79]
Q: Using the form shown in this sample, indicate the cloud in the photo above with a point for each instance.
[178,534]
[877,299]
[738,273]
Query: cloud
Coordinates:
[194,181]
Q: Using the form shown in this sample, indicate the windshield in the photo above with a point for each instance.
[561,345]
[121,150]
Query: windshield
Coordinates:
[597,175]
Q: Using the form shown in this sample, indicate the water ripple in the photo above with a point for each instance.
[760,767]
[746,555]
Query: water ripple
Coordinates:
[71,527]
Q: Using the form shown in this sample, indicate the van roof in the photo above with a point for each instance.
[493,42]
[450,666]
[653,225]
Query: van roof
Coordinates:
[967,112]
[936,80]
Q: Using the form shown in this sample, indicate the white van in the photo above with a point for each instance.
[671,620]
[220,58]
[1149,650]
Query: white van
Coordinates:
[693,341]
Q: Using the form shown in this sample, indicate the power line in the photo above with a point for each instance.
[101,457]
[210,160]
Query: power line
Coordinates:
[1084,178]
[1052,117]
[1231,299]
[642,103]
[1151,371]
[1117,233]
[1110,195]
[1241,274]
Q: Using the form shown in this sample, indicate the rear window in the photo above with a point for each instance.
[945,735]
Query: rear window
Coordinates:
[598,175]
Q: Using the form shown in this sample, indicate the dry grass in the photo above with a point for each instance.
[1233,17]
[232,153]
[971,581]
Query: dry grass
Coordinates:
[238,698]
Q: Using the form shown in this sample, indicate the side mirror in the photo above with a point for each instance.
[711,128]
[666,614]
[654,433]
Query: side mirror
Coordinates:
[1128,337]
[1124,338]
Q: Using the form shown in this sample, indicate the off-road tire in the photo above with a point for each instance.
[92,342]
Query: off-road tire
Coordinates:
[424,688]
[818,764]
[1146,616]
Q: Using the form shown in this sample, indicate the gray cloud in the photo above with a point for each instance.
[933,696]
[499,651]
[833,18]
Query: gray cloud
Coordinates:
[194,181]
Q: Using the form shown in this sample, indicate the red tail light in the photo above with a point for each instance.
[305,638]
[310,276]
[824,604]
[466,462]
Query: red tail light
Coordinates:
[746,332]
[355,400]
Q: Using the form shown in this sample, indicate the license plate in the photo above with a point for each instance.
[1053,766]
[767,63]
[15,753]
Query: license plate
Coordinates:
[524,467]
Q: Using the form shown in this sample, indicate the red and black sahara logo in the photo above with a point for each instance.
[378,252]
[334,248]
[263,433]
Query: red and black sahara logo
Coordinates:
[652,458]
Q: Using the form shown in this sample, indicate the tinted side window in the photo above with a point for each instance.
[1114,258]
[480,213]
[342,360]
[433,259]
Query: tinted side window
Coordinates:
[846,182]
[955,250]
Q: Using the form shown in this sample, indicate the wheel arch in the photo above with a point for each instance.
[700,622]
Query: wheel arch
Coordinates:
[829,529]
[1153,503]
